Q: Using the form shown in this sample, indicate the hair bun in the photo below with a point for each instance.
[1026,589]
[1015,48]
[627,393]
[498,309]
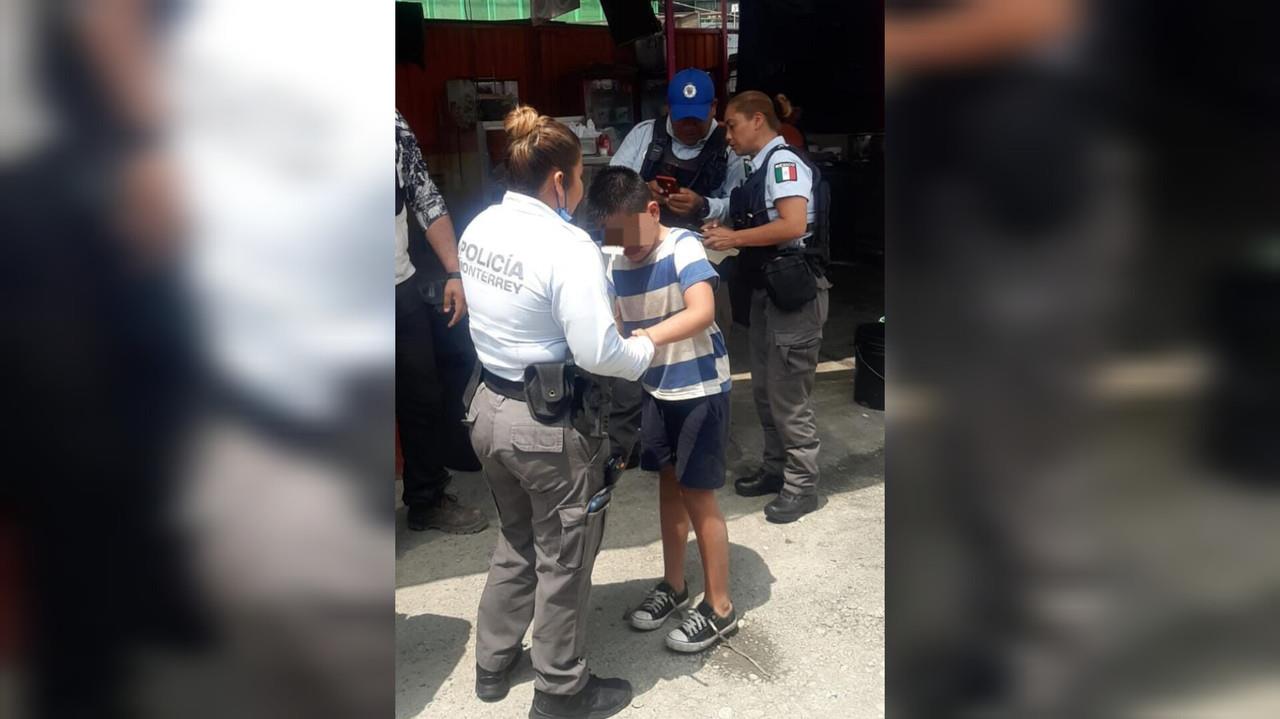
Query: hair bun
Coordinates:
[784,106]
[520,123]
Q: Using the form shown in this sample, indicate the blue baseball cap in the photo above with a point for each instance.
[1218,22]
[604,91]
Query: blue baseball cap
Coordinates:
[690,94]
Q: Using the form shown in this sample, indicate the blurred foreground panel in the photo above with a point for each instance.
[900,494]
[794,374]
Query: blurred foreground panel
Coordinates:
[1084,302]
[197,313]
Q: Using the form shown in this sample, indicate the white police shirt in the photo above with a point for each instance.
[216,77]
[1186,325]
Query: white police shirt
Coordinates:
[632,151]
[536,290]
[788,176]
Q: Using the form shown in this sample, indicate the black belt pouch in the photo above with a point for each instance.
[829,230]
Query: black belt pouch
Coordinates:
[789,281]
[548,391]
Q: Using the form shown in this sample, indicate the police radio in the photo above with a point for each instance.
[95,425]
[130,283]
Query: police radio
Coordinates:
[600,499]
[654,155]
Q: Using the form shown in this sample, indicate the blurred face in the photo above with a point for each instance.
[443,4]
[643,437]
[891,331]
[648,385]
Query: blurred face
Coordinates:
[745,134]
[691,130]
[637,234]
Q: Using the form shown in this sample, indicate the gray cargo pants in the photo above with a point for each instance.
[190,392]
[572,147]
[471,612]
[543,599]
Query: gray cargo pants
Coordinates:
[541,478]
[784,358]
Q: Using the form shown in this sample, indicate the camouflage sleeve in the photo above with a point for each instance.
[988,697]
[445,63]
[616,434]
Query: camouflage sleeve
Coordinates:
[420,192]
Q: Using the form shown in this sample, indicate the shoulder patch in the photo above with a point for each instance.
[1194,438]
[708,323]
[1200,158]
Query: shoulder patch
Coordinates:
[785,172]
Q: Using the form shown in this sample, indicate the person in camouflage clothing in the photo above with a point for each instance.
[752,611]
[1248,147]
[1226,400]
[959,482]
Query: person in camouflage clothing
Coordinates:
[434,354]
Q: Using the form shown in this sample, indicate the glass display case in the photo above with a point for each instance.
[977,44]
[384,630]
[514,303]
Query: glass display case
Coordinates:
[495,98]
[610,102]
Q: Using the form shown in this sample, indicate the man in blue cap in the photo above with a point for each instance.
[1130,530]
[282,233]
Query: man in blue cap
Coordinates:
[688,146]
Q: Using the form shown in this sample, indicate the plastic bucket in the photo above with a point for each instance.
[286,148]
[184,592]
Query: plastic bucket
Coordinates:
[868,376]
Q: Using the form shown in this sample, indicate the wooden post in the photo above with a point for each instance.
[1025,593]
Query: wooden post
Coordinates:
[724,47]
[671,39]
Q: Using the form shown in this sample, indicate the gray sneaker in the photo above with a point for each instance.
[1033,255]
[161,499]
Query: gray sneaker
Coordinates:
[702,628]
[446,515]
[661,602]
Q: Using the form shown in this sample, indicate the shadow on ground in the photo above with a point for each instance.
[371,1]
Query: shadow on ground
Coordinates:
[428,648]
[643,657]
[614,649]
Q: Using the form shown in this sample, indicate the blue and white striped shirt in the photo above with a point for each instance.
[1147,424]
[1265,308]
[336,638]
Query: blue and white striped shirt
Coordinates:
[651,290]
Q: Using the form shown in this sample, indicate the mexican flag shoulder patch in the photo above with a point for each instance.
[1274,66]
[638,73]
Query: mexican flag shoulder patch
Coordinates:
[785,172]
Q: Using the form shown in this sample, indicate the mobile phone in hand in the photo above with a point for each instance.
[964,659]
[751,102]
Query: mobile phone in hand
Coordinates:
[668,184]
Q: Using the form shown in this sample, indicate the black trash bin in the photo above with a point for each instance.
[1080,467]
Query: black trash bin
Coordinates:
[868,377]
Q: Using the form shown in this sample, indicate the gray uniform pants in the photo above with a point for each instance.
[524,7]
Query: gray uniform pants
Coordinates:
[541,478]
[784,357]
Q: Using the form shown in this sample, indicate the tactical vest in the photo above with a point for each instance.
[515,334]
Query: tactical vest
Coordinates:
[749,207]
[703,174]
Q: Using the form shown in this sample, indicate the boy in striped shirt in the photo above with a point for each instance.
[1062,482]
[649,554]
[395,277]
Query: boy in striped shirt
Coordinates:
[665,286]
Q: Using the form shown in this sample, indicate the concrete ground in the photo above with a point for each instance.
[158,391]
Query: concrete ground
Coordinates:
[810,594]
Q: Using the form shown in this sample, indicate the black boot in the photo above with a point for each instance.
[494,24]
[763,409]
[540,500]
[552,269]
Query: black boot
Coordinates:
[447,515]
[758,484]
[493,686]
[790,507]
[598,699]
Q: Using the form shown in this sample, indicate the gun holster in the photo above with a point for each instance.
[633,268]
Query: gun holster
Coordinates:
[593,397]
[473,385]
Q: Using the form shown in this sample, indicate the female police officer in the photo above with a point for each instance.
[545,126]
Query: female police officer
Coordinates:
[537,293]
[780,259]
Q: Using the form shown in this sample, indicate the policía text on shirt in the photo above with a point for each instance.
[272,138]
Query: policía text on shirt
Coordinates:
[494,269]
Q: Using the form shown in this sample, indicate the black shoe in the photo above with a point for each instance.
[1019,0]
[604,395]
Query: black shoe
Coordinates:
[598,699]
[446,515]
[493,686]
[758,484]
[702,628]
[627,461]
[657,606]
[790,507]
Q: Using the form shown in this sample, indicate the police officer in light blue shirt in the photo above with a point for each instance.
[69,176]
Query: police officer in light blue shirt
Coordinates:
[782,261]
[785,175]
[538,296]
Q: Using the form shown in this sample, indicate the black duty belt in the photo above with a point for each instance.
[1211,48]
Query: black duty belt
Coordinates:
[505,387]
